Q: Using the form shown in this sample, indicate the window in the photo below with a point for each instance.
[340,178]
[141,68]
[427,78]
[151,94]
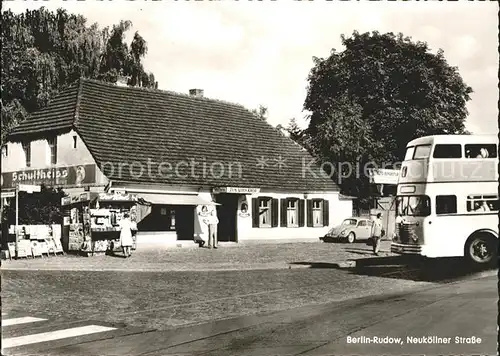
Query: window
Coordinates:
[52,149]
[292,212]
[409,153]
[27,152]
[415,205]
[292,215]
[265,212]
[481,151]
[447,151]
[347,222]
[362,223]
[317,207]
[74,141]
[318,213]
[446,204]
[422,151]
[483,203]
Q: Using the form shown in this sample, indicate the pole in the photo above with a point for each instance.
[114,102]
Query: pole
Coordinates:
[17,221]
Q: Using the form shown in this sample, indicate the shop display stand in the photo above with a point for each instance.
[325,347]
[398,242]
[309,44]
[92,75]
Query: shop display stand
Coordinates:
[35,241]
[92,222]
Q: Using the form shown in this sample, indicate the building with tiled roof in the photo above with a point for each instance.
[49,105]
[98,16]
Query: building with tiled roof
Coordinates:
[177,152]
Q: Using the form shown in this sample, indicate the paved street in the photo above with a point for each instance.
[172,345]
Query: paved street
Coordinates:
[227,257]
[312,306]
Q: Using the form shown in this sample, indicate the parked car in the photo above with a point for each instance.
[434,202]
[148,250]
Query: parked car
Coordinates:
[351,230]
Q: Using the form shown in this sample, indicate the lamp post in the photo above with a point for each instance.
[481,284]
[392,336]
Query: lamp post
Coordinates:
[17,221]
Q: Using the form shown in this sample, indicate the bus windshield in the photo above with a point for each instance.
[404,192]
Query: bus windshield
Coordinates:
[409,153]
[415,205]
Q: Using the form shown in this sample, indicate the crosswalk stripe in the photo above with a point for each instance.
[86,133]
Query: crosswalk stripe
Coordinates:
[24,320]
[53,335]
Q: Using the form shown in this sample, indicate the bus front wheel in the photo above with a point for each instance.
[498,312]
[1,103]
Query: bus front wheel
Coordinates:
[481,249]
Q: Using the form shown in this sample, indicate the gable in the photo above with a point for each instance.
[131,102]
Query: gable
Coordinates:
[58,115]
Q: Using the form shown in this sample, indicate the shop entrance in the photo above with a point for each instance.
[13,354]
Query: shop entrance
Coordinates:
[227,214]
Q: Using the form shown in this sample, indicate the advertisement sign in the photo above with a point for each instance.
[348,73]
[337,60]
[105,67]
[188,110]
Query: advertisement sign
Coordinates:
[79,175]
[384,176]
[243,208]
[119,196]
[8,195]
[236,190]
[205,210]
[29,188]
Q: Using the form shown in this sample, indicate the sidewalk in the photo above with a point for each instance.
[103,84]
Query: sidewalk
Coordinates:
[226,257]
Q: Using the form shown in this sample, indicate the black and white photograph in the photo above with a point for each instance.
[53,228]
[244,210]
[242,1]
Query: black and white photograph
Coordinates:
[254,178]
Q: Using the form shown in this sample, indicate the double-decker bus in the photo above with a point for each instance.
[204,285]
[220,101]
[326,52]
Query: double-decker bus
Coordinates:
[447,198]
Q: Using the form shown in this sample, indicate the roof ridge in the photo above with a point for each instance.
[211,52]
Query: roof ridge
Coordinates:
[171,92]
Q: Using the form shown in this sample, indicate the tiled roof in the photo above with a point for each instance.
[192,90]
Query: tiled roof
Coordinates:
[135,127]
[59,114]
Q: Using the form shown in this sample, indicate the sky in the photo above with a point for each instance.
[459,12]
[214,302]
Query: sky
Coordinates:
[260,53]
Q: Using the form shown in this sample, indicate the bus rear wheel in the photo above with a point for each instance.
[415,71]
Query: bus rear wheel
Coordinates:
[482,249]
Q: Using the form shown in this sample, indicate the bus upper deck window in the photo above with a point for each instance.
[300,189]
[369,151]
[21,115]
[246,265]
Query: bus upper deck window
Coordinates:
[481,151]
[447,151]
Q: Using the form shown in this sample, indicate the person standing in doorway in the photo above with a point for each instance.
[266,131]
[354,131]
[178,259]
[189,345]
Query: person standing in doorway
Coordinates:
[212,229]
[377,233]
[126,240]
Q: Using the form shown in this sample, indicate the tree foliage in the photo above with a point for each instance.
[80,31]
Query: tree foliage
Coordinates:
[36,208]
[261,112]
[44,51]
[370,100]
[295,132]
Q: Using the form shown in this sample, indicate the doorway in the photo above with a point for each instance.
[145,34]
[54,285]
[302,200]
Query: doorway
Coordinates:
[227,214]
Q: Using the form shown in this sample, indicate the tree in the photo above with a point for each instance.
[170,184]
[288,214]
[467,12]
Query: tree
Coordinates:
[370,100]
[36,208]
[296,133]
[43,52]
[261,112]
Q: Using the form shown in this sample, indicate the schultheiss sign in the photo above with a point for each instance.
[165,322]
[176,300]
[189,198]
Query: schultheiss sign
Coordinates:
[57,176]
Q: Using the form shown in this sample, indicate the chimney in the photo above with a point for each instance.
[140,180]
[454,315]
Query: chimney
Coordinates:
[196,92]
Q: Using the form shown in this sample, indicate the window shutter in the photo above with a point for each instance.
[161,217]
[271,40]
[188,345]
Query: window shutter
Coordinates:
[274,212]
[255,212]
[326,213]
[309,213]
[283,212]
[301,212]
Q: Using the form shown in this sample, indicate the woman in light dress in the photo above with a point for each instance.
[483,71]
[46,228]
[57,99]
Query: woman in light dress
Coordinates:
[126,234]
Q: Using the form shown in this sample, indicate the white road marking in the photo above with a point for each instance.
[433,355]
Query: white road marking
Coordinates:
[53,335]
[16,321]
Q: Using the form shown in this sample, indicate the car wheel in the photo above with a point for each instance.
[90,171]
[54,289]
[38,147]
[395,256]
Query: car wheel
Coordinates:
[351,237]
